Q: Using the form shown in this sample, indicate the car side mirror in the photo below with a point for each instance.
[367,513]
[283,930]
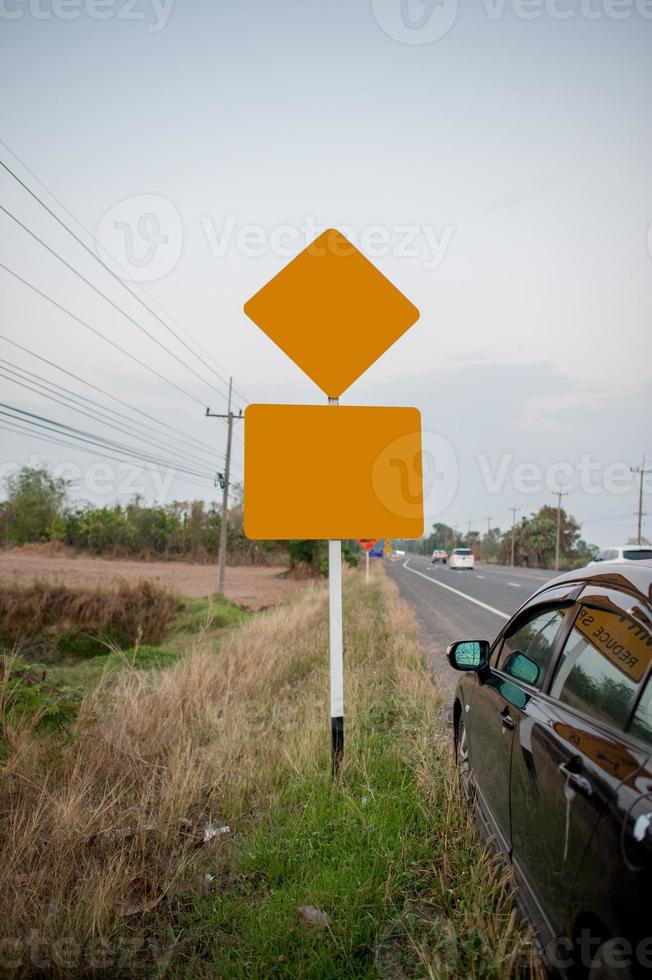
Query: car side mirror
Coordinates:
[469,654]
[522,668]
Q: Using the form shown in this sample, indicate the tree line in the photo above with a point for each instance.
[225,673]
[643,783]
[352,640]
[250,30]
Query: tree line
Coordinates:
[534,537]
[38,508]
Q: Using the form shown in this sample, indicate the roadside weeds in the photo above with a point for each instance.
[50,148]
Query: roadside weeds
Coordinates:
[104,829]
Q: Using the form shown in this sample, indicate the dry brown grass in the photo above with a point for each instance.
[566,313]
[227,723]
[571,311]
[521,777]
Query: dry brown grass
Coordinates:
[112,821]
[255,588]
[41,614]
[102,834]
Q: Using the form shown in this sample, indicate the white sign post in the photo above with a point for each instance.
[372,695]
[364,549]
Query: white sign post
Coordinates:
[336,652]
[336,646]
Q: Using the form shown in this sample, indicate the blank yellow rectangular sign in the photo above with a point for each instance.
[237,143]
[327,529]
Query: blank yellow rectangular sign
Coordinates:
[332,472]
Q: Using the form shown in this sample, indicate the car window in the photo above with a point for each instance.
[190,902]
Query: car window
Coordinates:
[641,725]
[638,554]
[526,652]
[603,661]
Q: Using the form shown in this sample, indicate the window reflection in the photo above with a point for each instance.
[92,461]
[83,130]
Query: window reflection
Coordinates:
[532,642]
[604,658]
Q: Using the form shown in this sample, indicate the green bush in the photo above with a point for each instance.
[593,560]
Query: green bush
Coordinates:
[28,696]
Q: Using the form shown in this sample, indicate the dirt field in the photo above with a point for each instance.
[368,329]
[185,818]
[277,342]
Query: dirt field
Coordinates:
[254,587]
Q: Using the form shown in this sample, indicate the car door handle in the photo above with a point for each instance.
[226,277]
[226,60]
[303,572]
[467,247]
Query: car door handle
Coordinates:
[506,720]
[576,779]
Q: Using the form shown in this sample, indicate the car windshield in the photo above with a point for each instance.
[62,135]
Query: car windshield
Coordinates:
[639,554]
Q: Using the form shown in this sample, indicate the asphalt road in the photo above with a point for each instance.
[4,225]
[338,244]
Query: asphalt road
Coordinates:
[460,605]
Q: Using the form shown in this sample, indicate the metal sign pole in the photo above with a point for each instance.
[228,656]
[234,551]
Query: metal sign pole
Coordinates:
[336,646]
[366,567]
[336,652]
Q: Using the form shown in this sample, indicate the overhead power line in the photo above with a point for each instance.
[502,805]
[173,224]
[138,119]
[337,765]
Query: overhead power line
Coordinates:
[15,427]
[108,269]
[108,299]
[65,398]
[51,425]
[98,333]
[89,384]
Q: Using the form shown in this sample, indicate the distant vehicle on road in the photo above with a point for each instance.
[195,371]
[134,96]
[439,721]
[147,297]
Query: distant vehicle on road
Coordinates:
[439,556]
[553,741]
[461,558]
[625,552]
[376,553]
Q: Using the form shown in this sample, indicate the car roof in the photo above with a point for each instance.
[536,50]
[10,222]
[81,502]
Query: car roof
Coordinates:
[635,577]
[628,547]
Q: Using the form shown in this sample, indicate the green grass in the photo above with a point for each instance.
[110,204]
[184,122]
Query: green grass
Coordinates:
[214,612]
[349,850]
[50,694]
[388,851]
[27,694]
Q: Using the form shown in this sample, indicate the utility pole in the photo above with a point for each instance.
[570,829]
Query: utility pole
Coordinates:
[224,482]
[560,494]
[489,520]
[514,511]
[468,533]
[642,471]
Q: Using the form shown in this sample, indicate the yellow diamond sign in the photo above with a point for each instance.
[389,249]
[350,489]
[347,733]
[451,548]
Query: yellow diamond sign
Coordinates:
[332,312]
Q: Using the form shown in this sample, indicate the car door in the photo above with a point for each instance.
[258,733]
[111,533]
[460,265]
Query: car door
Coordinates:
[500,698]
[621,845]
[570,754]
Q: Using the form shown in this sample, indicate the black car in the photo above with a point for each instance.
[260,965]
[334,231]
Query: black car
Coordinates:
[553,741]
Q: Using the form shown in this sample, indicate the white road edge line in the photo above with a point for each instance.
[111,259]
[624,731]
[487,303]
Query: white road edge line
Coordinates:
[479,576]
[449,588]
[514,585]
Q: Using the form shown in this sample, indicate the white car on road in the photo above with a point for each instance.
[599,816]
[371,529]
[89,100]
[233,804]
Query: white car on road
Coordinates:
[461,558]
[625,553]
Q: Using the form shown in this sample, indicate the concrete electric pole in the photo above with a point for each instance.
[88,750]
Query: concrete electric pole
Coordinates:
[224,481]
[560,494]
[514,511]
[641,471]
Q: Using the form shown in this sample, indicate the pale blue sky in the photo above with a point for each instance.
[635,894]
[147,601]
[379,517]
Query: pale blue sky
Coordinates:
[513,153]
